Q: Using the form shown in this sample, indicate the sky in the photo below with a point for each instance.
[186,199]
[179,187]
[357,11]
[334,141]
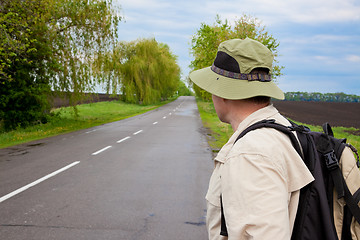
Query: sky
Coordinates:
[319,39]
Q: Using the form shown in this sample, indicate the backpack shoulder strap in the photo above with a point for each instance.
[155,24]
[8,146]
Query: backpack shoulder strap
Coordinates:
[323,145]
[331,148]
[270,123]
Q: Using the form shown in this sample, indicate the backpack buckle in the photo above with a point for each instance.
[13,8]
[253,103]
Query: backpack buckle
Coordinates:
[299,128]
[331,160]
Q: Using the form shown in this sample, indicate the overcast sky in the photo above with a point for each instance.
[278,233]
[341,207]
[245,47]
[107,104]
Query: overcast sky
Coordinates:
[319,39]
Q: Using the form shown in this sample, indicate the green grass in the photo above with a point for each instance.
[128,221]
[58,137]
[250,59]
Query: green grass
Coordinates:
[340,132]
[64,121]
[219,133]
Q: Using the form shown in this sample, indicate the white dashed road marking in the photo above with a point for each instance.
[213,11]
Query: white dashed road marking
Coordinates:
[121,140]
[101,150]
[37,182]
[91,131]
[135,133]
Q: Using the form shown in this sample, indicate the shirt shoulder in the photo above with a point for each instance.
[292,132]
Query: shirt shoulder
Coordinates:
[275,147]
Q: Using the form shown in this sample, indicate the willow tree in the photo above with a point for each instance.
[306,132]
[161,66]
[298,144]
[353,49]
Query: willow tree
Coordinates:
[79,31]
[205,42]
[142,71]
[48,45]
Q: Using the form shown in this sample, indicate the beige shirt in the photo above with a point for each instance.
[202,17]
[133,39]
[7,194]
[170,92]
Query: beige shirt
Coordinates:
[259,178]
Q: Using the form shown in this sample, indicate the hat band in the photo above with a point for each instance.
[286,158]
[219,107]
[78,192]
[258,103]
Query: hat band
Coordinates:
[242,76]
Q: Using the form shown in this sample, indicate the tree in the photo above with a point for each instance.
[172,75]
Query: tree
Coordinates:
[48,45]
[80,30]
[184,90]
[142,71]
[23,83]
[205,42]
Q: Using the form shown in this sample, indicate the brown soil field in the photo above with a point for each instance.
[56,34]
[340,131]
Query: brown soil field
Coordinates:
[317,113]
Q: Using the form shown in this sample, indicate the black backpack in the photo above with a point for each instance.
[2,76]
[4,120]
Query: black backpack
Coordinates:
[321,153]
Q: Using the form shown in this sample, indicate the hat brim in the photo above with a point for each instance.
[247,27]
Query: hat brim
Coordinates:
[230,88]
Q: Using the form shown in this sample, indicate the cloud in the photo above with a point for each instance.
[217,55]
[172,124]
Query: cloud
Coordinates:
[148,5]
[297,11]
[314,39]
[343,60]
[320,11]
[273,12]
[327,59]
[324,47]
[353,58]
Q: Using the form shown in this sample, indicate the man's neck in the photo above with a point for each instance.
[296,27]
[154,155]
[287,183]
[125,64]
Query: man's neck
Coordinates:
[242,111]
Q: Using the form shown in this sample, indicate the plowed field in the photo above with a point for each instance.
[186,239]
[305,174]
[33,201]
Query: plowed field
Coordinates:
[317,113]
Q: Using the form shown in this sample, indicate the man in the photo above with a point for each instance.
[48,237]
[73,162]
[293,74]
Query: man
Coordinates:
[259,177]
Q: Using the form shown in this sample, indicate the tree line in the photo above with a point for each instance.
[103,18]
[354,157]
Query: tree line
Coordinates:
[321,97]
[69,47]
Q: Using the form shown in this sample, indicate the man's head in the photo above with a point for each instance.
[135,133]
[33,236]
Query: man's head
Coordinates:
[241,70]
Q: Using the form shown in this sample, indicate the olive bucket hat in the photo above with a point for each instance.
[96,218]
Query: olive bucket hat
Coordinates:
[229,77]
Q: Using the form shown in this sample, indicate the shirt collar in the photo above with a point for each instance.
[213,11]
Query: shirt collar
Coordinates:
[268,112]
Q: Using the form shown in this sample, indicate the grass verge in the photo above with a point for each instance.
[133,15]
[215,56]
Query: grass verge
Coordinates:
[219,133]
[64,121]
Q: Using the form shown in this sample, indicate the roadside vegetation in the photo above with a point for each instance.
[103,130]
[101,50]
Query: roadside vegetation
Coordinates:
[218,133]
[70,47]
[49,45]
[64,120]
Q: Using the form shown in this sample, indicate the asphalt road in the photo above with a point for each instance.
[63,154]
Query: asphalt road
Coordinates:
[140,178]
